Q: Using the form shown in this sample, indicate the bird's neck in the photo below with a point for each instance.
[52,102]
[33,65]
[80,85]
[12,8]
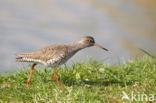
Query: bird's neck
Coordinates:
[76,46]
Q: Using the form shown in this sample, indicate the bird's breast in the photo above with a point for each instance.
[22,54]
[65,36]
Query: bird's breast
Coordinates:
[59,60]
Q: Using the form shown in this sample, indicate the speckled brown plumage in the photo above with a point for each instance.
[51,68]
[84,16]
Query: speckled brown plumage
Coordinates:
[55,55]
[52,52]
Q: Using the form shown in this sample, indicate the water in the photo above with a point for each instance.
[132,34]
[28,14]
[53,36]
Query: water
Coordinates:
[120,26]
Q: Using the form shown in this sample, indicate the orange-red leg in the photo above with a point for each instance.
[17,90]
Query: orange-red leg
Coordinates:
[30,75]
[55,78]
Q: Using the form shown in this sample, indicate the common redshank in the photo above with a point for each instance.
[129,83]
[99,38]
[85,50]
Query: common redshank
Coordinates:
[55,55]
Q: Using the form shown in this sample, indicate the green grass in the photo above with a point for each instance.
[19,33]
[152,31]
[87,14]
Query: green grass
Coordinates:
[91,82]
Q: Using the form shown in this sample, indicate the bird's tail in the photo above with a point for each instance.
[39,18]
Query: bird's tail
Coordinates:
[21,57]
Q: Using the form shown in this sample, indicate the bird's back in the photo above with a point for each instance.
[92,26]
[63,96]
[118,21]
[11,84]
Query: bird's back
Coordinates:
[52,54]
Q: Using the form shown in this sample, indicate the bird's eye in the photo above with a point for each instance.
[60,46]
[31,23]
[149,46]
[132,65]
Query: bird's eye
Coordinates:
[91,41]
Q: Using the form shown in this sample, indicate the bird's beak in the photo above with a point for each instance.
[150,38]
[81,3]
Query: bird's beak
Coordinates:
[99,46]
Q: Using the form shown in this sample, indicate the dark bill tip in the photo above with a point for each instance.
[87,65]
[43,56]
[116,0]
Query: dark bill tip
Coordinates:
[99,46]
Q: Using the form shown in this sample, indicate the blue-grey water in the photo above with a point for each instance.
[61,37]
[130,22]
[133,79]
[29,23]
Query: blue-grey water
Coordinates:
[120,26]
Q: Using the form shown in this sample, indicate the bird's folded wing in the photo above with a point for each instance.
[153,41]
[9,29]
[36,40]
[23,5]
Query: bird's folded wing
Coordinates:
[53,53]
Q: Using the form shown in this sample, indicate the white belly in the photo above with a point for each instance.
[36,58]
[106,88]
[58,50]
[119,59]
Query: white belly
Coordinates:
[59,61]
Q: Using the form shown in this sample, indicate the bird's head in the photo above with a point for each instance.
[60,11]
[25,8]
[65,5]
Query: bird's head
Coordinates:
[88,41]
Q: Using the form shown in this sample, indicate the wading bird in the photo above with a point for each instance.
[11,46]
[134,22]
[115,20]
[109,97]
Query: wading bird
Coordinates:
[55,55]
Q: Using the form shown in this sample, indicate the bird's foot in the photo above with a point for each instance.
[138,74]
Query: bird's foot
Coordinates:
[28,82]
[55,78]
[58,82]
